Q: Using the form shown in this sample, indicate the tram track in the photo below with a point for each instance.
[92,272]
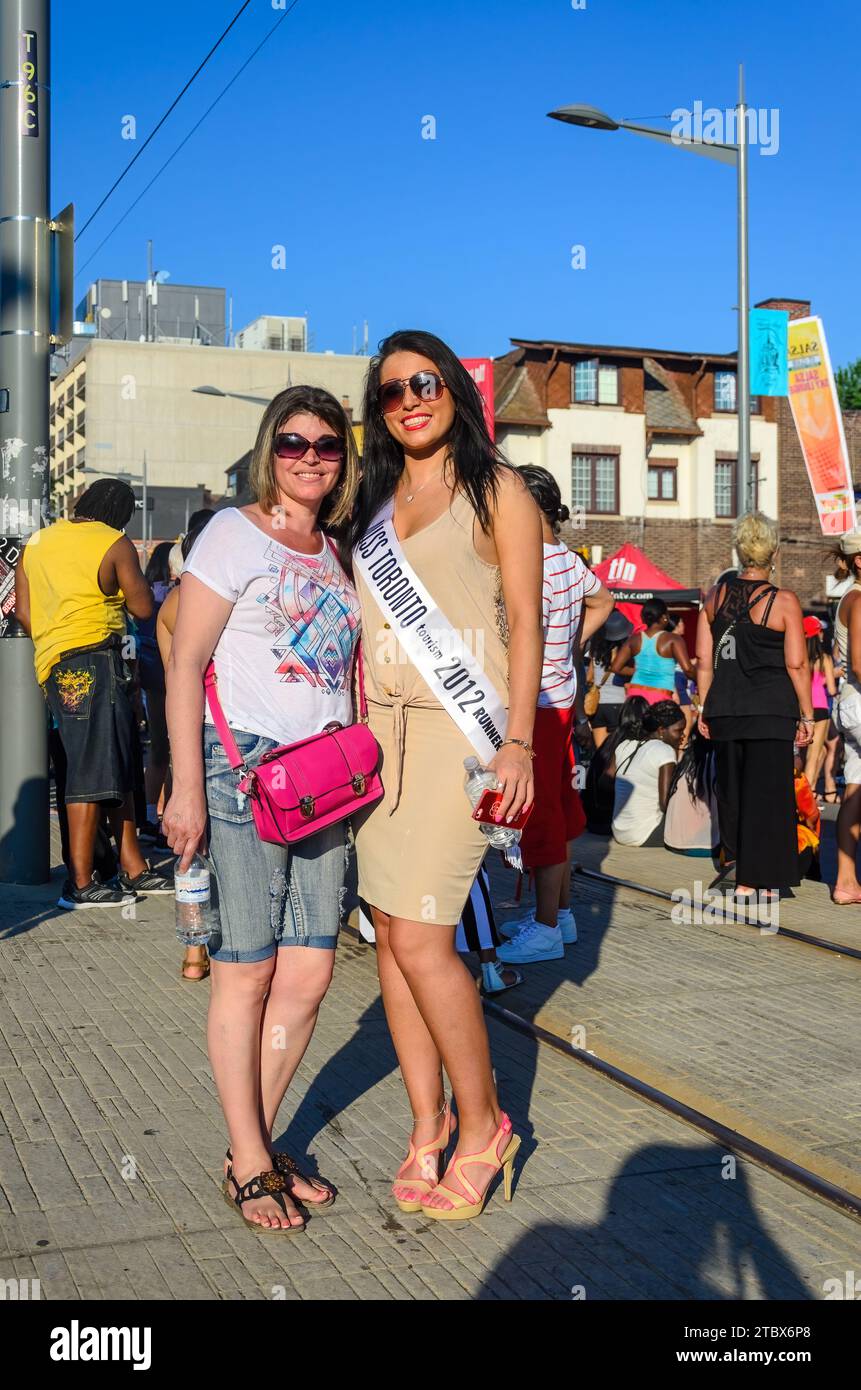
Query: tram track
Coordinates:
[744,1145]
[727,917]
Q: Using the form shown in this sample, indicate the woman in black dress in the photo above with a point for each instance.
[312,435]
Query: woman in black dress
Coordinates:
[754,687]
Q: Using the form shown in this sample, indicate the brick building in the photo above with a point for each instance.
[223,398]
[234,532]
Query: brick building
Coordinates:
[643,444]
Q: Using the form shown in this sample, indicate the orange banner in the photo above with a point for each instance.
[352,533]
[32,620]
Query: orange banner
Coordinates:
[816,412]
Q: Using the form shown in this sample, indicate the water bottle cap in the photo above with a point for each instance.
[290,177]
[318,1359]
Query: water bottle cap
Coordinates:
[471,764]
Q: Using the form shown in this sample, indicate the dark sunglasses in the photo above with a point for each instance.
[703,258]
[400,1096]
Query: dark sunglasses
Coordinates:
[328,448]
[428,386]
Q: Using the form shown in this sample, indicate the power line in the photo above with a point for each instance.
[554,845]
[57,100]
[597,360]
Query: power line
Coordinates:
[154,132]
[184,142]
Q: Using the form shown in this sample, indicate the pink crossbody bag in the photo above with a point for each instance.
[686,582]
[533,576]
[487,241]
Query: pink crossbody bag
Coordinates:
[301,788]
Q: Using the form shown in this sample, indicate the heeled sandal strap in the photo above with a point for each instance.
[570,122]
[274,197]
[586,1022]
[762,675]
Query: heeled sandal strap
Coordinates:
[489,1156]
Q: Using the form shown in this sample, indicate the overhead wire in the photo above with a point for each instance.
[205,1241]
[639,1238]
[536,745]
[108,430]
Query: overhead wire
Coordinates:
[115,185]
[185,141]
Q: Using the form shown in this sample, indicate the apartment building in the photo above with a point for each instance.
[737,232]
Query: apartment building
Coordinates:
[644,445]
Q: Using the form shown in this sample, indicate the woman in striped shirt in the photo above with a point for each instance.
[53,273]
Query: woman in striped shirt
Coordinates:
[570,587]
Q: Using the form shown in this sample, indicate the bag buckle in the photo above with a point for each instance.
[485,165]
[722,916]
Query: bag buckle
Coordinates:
[359,783]
[306,806]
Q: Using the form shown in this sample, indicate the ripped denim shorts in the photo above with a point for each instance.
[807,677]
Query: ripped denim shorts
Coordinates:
[265,896]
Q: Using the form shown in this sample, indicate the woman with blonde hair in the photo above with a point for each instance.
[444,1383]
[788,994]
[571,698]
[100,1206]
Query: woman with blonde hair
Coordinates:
[265,596]
[753,679]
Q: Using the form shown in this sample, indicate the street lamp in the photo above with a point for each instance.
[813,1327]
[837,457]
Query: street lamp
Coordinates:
[594,119]
[217,391]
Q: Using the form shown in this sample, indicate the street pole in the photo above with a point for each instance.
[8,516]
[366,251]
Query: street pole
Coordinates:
[143,523]
[25,133]
[745,494]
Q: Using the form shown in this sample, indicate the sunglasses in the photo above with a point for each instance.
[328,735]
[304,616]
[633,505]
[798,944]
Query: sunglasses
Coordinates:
[328,448]
[427,386]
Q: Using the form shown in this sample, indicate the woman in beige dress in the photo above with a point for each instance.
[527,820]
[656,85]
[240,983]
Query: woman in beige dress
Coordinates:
[472,534]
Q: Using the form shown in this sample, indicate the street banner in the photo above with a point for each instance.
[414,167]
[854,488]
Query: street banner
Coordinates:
[816,412]
[768,344]
[481,371]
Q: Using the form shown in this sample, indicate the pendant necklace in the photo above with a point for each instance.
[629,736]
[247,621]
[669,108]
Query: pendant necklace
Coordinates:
[408,496]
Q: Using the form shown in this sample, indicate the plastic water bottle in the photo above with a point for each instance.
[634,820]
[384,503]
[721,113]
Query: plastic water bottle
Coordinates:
[193,914]
[478,780]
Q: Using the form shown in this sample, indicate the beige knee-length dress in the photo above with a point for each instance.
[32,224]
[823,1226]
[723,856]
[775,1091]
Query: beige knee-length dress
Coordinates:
[418,848]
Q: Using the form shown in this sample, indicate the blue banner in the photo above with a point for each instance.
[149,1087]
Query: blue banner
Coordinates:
[768,352]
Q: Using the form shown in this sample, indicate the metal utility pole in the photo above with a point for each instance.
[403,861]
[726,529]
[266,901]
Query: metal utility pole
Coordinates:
[745,490]
[25,345]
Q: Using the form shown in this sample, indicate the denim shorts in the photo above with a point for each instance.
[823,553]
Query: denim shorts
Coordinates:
[89,695]
[263,895]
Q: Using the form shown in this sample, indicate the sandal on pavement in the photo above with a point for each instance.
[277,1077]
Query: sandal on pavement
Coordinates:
[201,965]
[428,1156]
[269,1184]
[289,1168]
[493,974]
[461,1208]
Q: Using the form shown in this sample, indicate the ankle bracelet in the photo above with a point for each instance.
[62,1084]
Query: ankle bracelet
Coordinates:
[418,1118]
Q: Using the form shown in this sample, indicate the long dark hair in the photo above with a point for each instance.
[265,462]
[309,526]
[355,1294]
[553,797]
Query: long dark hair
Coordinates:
[545,490]
[663,714]
[109,500]
[473,456]
[815,648]
[158,568]
[630,726]
[697,767]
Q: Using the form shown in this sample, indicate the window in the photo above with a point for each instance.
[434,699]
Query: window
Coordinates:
[725,470]
[726,484]
[661,481]
[595,482]
[725,394]
[593,383]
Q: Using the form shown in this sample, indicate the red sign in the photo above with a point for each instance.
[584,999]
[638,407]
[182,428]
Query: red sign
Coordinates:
[481,371]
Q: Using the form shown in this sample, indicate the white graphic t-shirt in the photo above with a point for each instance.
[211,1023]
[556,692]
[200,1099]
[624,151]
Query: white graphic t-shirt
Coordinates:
[284,659]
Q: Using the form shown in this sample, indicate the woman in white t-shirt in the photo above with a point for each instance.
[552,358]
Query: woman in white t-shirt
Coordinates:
[265,596]
[575,606]
[644,771]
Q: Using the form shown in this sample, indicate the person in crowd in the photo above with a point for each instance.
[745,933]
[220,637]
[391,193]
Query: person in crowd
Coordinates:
[691,818]
[607,690]
[644,772]
[465,524]
[599,791]
[195,961]
[477,934]
[654,652]
[262,592]
[823,690]
[151,676]
[808,825]
[575,604]
[73,583]
[847,634]
[754,687]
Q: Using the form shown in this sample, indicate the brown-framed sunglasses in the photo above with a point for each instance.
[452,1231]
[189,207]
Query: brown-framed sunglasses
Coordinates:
[427,386]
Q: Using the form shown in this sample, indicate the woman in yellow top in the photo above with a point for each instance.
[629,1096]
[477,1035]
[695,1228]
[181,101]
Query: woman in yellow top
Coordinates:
[471,533]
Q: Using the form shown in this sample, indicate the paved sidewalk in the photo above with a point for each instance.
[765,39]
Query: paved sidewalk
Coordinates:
[762,1032]
[111,1140]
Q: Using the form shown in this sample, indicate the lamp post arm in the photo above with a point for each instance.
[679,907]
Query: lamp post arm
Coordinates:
[724,154]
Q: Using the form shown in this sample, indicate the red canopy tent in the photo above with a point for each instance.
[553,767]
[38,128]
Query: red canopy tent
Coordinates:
[634,578]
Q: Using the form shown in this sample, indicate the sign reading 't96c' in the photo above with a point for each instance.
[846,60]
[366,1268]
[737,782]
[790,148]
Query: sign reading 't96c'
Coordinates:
[29,76]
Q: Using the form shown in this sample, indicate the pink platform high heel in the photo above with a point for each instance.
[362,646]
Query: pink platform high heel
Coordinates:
[412,1190]
[461,1208]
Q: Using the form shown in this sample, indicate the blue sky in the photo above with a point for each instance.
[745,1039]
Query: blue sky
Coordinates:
[319,147]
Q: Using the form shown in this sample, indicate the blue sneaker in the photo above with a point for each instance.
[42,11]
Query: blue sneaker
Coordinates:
[534,943]
[566,924]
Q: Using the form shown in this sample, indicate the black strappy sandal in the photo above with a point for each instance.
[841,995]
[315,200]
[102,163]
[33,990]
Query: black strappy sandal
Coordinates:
[269,1184]
[289,1168]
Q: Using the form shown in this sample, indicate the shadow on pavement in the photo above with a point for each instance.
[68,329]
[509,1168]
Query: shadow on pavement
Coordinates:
[665,1234]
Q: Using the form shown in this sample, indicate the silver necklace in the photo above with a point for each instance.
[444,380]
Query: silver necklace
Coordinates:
[408,496]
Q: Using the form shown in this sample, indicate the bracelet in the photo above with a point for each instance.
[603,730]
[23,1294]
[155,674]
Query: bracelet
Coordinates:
[521,743]
[802,720]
